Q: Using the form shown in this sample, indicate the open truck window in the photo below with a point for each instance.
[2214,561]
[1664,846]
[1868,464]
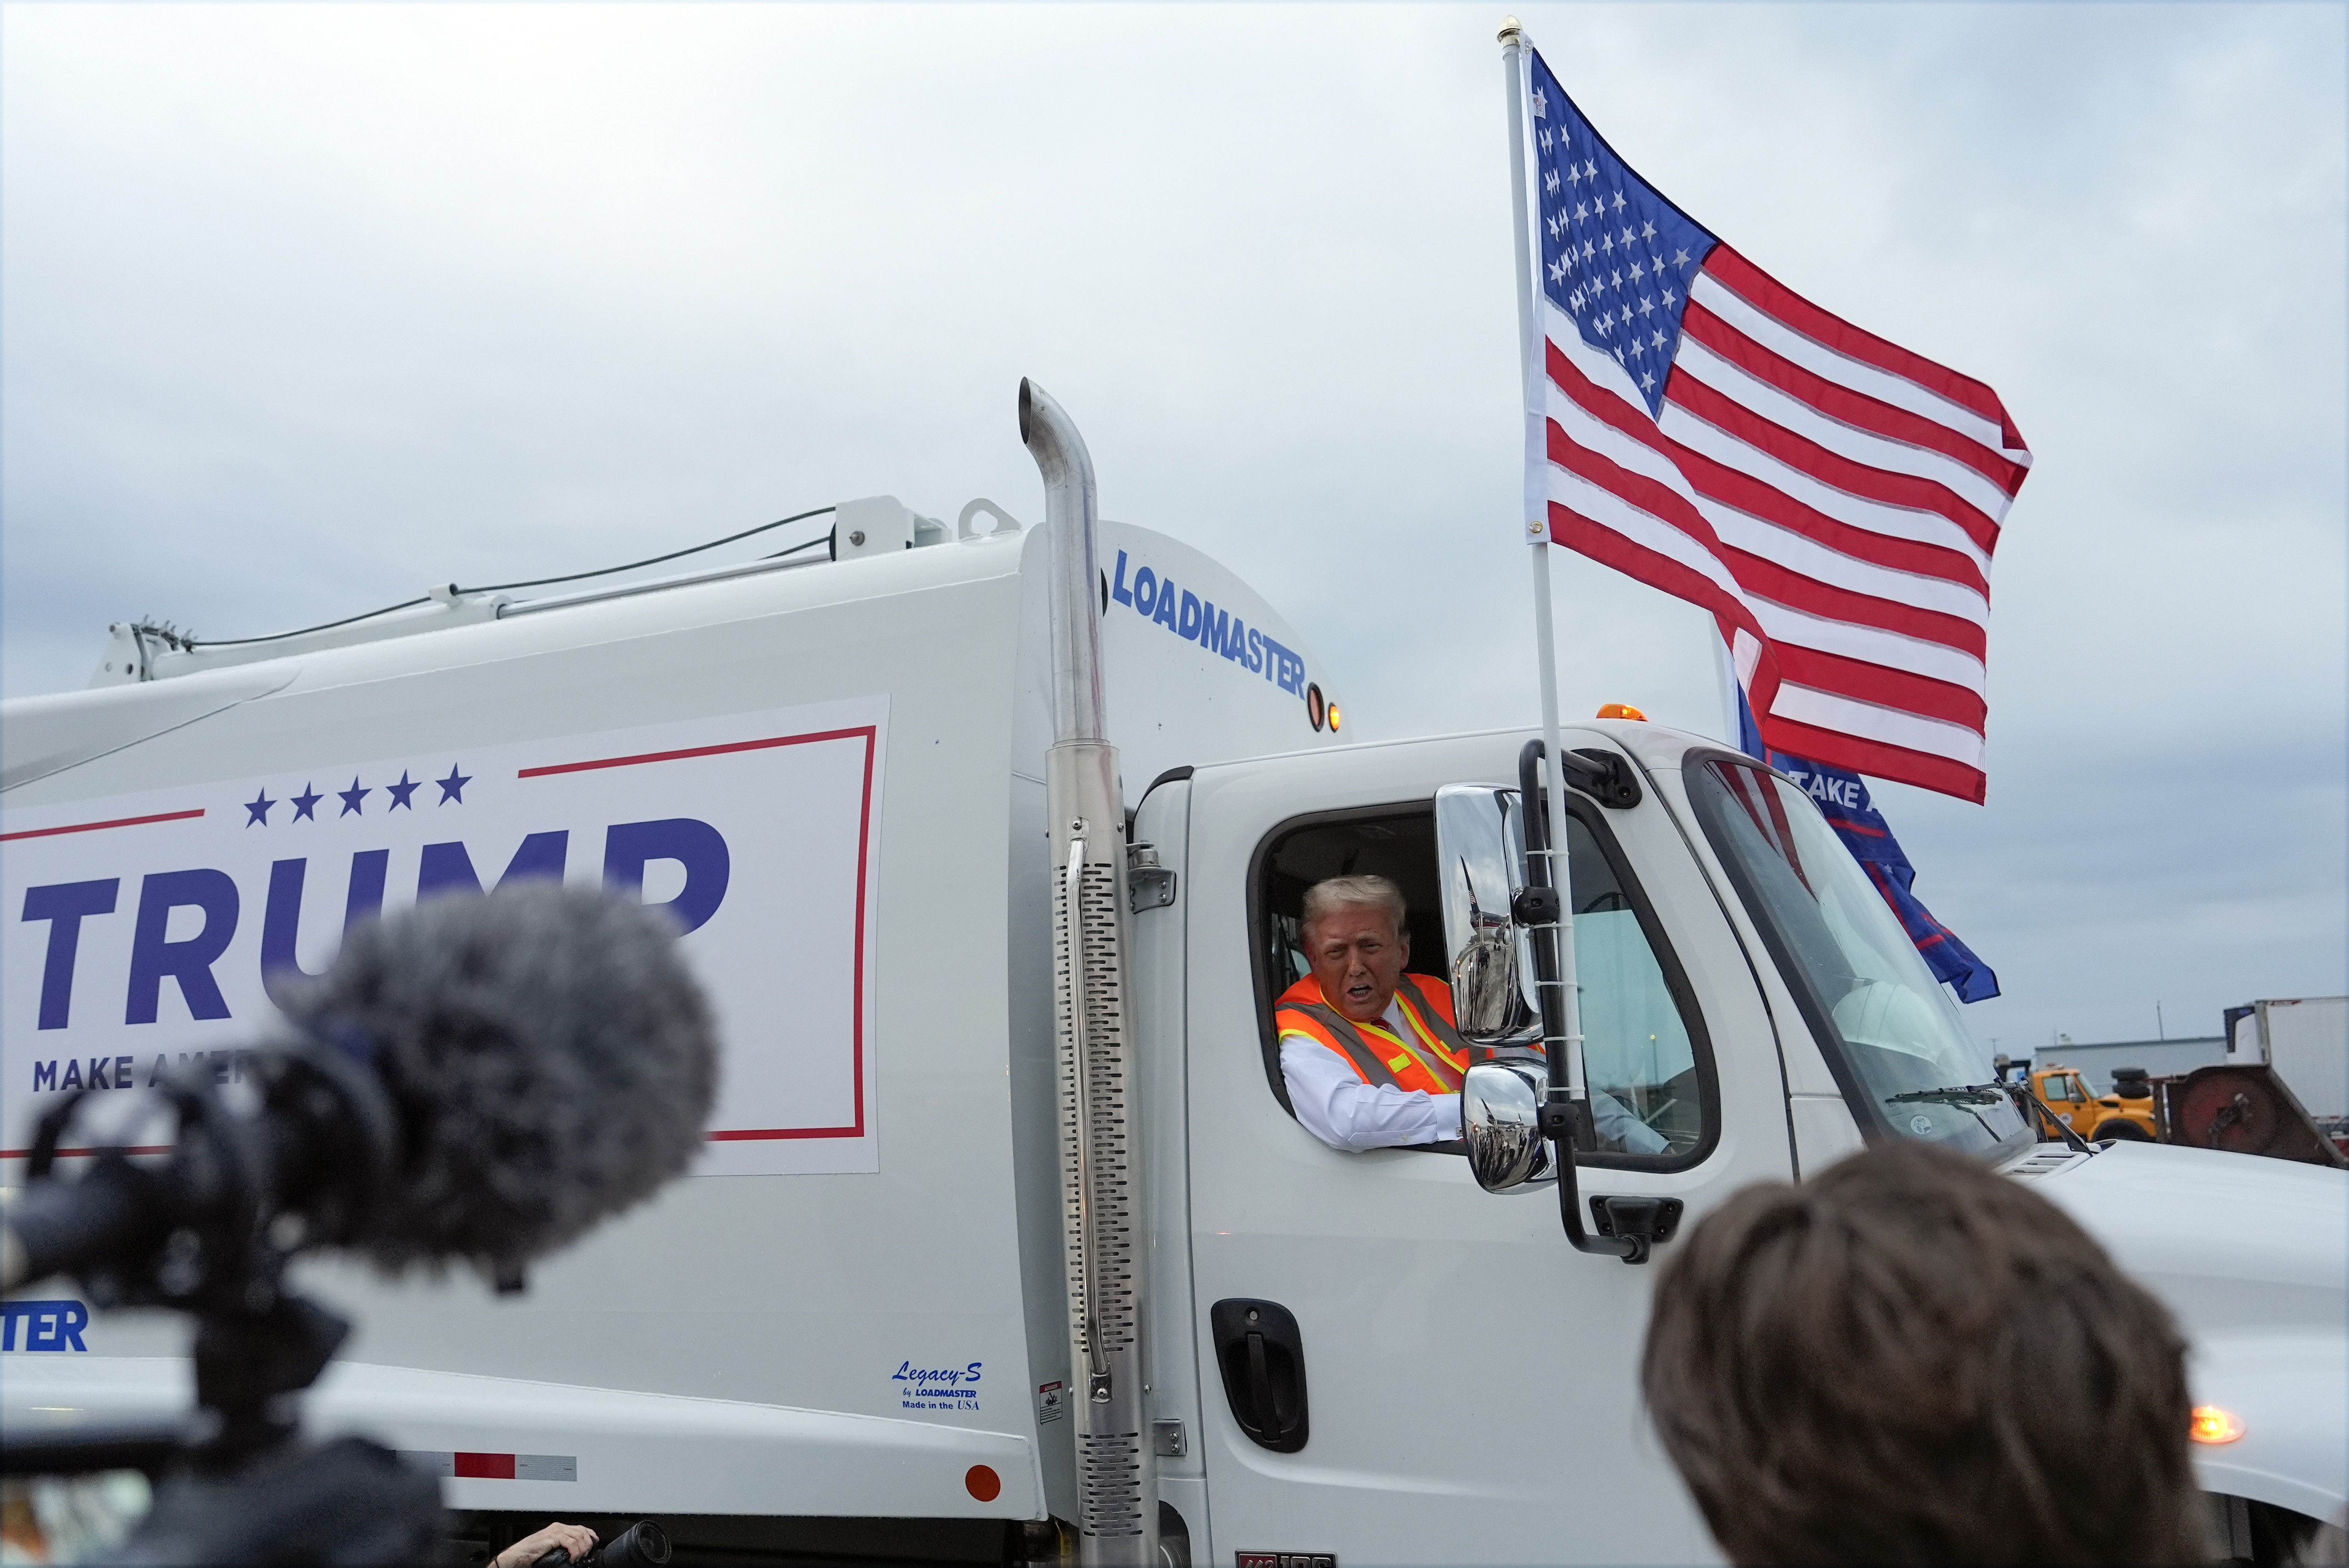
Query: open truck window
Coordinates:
[1644,1046]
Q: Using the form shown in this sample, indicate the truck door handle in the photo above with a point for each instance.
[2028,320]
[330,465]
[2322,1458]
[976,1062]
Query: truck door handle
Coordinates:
[1259,1381]
[1261,1355]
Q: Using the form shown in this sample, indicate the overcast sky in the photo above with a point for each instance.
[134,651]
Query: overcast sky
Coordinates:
[304,307]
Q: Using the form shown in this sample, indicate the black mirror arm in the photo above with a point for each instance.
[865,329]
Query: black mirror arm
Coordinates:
[1564,1121]
[2027,1100]
[1603,776]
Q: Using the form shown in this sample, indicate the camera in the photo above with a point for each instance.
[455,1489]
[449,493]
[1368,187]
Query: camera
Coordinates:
[643,1544]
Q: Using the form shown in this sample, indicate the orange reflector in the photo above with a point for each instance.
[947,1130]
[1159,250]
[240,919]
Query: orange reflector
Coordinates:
[2211,1424]
[1333,718]
[1621,710]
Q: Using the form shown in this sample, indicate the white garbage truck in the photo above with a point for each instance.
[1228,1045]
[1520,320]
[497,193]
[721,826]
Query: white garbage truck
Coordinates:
[990,843]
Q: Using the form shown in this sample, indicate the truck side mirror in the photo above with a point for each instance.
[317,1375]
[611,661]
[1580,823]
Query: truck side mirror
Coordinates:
[1480,843]
[1500,1121]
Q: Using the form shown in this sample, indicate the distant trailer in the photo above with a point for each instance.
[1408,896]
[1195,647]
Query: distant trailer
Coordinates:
[2306,1040]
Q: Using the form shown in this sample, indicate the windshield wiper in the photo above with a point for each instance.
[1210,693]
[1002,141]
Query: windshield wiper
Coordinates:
[1965,1097]
[1965,1094]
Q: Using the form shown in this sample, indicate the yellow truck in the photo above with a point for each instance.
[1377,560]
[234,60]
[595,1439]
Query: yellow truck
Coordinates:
[2121,1114]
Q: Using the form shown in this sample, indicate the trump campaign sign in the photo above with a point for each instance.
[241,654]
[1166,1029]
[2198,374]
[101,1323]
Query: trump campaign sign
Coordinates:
[147,932]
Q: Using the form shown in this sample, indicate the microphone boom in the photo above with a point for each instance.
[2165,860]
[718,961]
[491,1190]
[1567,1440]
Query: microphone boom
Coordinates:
[476,1080]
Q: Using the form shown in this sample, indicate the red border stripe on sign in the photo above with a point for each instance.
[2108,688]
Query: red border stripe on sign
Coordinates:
[94,827]
[868,735]
[865,733]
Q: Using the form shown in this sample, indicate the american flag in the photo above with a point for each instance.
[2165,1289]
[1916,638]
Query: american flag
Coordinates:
[1832,498]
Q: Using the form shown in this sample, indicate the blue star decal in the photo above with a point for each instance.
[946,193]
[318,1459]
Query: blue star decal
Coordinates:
[257,809]
[351,798]
[453,787]
[306,804]
[401,792]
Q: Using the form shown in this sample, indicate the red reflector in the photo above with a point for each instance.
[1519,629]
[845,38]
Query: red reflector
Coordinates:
[486,1467]
[983,1483]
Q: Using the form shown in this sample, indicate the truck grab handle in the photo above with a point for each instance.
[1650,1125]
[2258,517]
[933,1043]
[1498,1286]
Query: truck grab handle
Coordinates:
[1565,1116]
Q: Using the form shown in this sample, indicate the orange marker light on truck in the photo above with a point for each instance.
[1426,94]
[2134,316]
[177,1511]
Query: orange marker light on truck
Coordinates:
[1621,710]
[2210,1424]
[1333,718]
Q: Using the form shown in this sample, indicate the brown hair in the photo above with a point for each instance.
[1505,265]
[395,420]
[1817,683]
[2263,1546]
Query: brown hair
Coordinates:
[1913,1359]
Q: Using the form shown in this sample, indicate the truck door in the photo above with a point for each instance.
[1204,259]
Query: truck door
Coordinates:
[1463,1382]
[2064,1095]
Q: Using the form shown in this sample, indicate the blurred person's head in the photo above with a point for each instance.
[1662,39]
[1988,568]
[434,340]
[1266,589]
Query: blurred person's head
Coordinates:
[1913,1359]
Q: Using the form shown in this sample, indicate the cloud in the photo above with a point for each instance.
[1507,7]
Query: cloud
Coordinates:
[303,308]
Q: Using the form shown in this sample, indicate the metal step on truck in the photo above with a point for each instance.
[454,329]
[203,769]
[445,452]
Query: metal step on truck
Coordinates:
[991,841]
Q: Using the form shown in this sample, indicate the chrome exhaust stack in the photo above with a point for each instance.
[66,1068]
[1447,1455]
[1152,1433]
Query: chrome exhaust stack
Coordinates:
[1100,1166]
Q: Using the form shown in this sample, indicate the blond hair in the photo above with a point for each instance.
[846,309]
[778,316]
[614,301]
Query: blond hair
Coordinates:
[1337,892]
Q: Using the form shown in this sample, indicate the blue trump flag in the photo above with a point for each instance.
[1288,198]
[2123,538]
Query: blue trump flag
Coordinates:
[1843,800]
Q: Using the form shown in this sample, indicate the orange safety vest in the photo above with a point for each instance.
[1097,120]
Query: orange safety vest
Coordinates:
[1432,1061]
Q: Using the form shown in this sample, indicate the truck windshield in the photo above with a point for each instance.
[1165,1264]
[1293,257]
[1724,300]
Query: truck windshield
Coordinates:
[1904,1060]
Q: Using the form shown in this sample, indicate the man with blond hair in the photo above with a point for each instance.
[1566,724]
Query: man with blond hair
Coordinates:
[1369,1053]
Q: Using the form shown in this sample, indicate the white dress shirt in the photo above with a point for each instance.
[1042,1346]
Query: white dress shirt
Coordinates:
[1337,1107]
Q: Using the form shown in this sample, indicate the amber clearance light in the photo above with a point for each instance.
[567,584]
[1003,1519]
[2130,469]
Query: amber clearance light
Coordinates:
[2211,1424]
[1621,710]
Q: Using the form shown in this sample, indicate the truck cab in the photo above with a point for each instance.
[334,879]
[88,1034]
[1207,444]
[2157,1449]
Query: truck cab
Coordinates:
[1388,1262]
[2093,1116]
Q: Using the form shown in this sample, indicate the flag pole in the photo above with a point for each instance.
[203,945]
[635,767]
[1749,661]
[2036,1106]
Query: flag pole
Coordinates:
[1529,366]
